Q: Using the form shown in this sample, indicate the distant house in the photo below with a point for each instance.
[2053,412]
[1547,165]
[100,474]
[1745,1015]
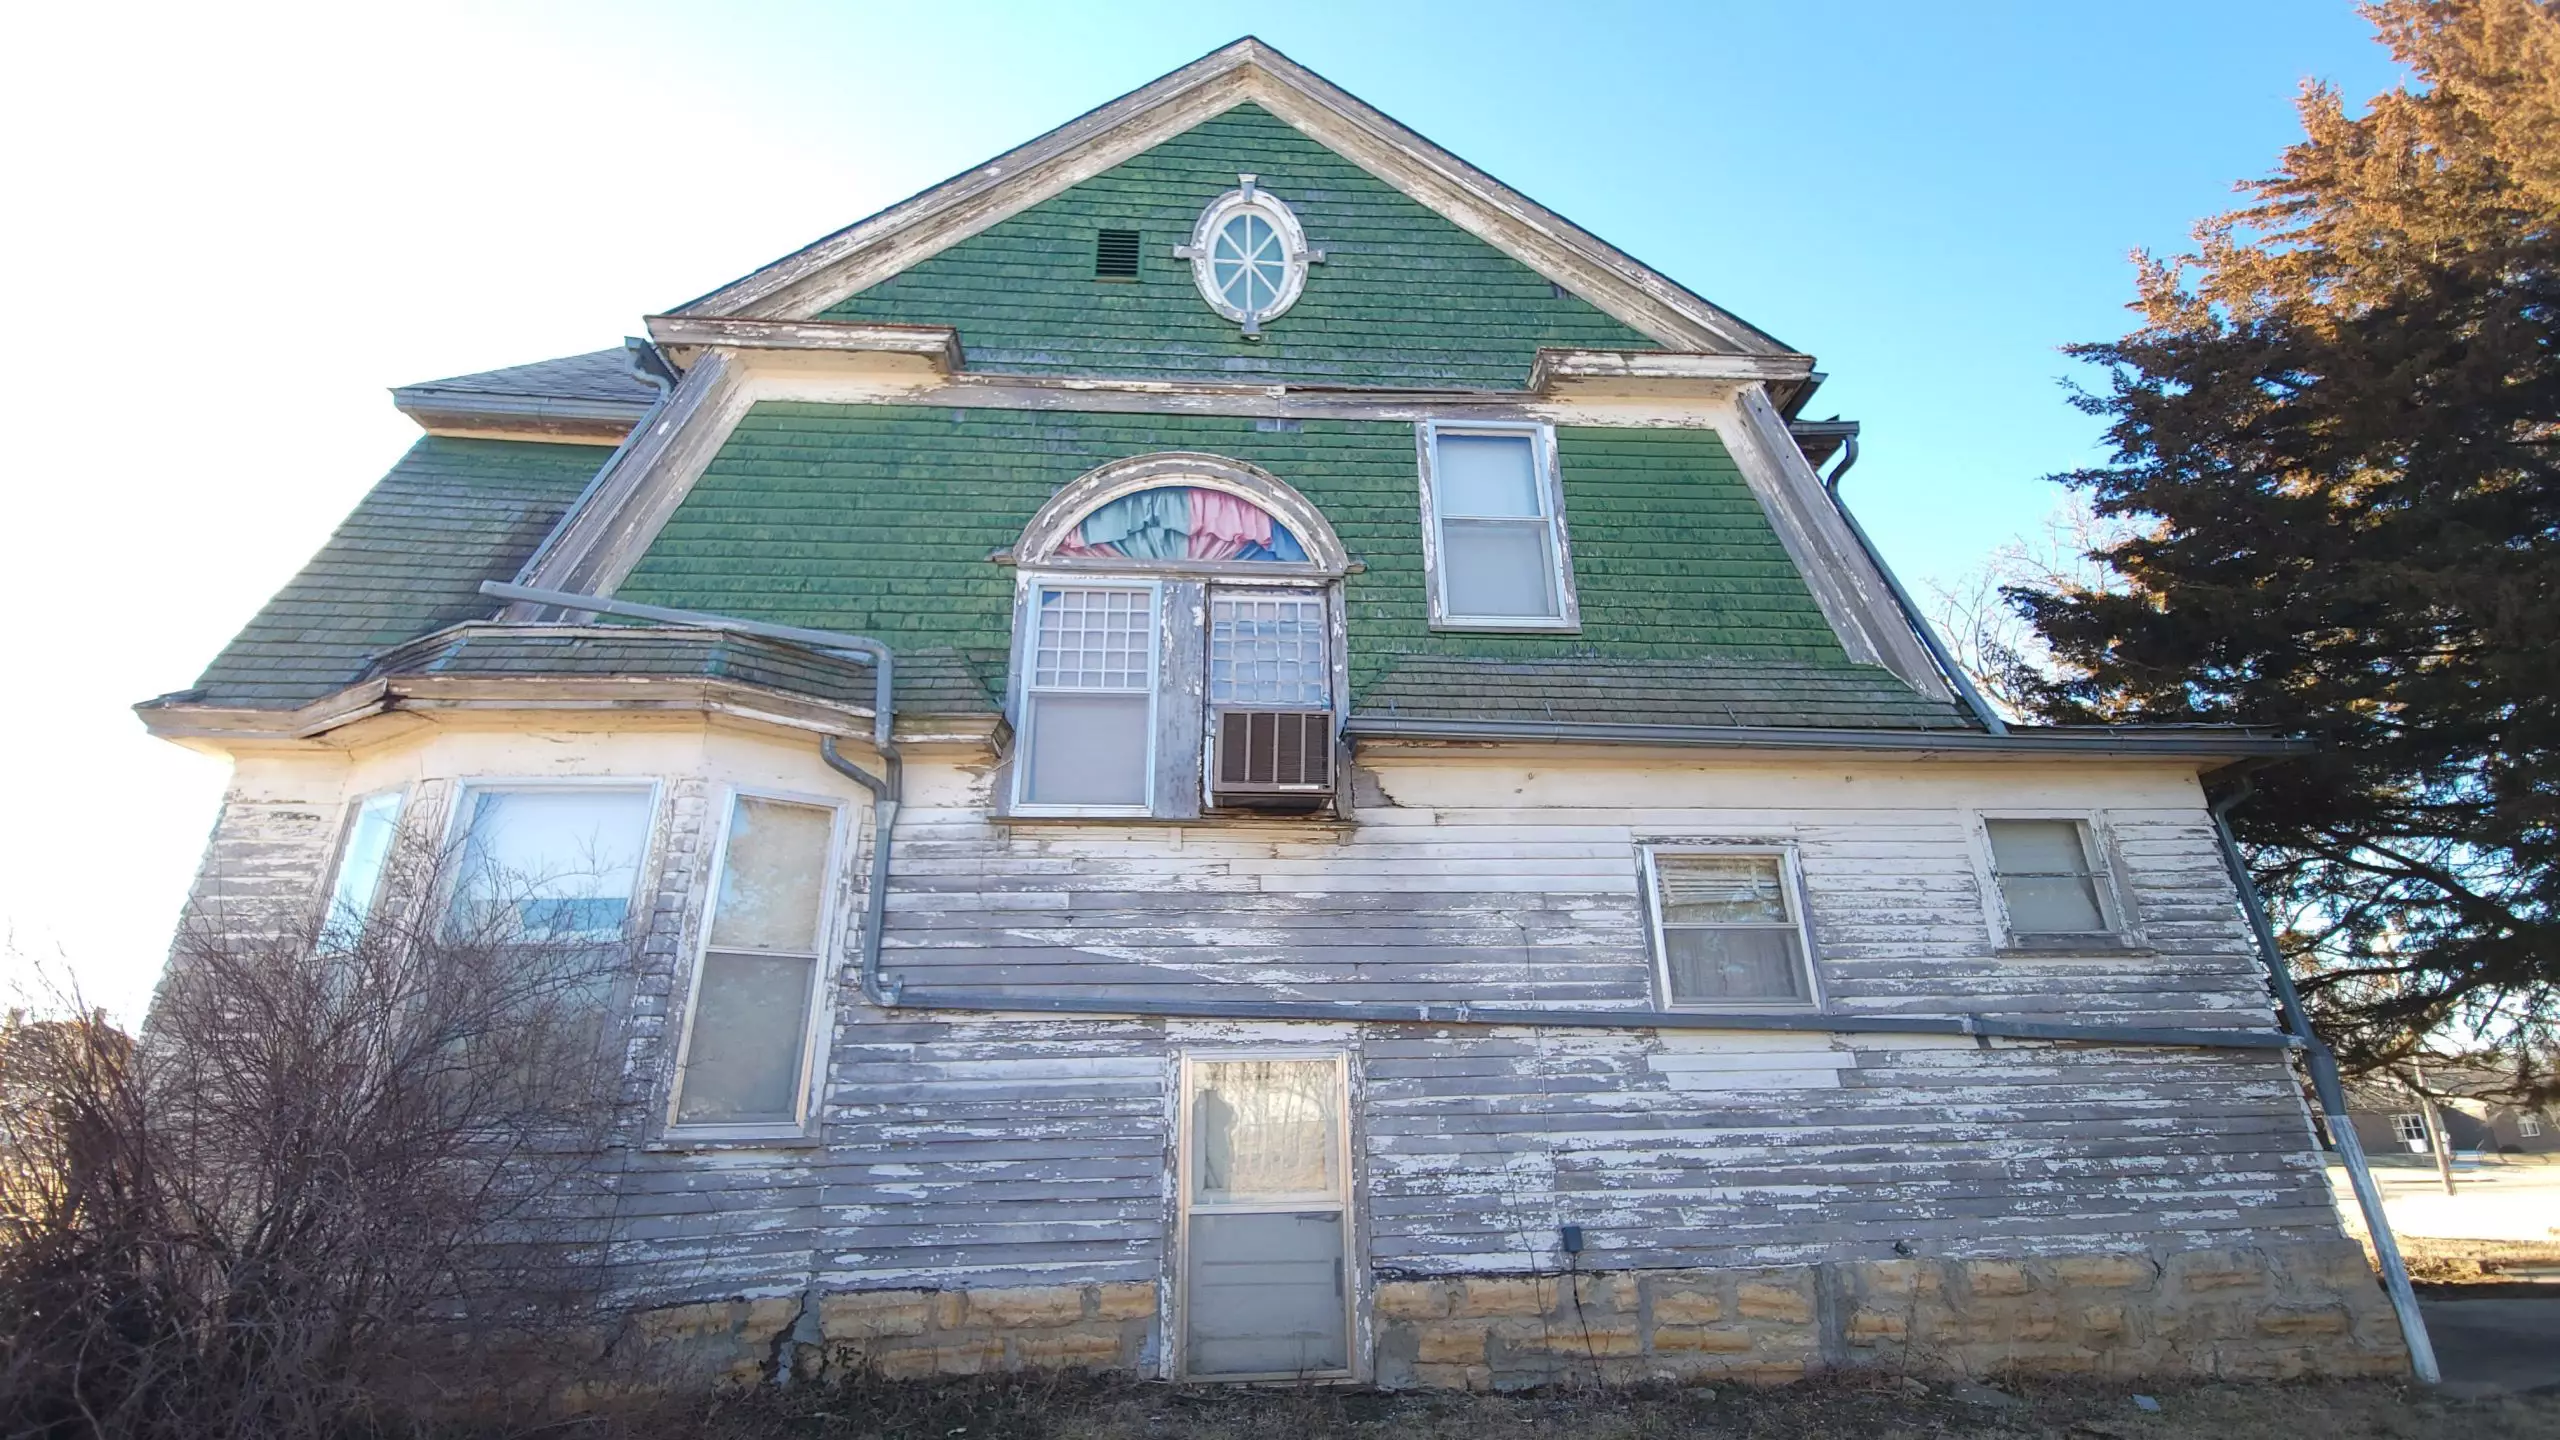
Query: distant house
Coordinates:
[2390,1119]
[1406,837]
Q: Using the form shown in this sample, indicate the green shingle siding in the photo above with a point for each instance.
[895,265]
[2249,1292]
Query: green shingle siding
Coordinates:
[1404,296]
[879,520]
[409,559]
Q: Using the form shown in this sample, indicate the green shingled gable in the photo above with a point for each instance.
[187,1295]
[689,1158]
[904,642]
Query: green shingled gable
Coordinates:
[1404,296]
[409,559]
[879,520]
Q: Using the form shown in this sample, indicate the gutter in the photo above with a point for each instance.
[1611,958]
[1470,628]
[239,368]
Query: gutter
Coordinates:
[2199,742]
[2323,1066]
[1927,632]
[886,789]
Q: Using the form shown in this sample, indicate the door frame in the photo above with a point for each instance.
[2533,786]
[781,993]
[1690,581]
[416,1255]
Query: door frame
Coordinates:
[1178,1334]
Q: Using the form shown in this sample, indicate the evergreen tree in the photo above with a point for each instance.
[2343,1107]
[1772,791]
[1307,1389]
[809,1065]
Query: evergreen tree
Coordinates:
[2336,439]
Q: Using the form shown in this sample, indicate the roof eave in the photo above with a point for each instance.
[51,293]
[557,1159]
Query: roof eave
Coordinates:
[2212,745]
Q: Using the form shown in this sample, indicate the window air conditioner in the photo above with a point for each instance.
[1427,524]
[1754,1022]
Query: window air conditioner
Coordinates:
[1273,759]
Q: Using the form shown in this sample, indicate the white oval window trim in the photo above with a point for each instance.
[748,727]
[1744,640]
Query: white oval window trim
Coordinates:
[1249,256]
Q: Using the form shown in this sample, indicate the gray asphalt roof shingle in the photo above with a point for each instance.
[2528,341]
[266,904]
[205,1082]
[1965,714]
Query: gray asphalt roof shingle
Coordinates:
[599,375]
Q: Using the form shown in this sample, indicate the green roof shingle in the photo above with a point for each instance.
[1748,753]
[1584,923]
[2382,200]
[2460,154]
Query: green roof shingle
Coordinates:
[409,559]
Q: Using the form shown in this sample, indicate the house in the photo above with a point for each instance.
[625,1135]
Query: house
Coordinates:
[1231,751]
[2391,1119]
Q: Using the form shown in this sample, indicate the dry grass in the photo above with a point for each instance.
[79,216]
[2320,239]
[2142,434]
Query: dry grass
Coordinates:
[1048,1407]
[2478,1262]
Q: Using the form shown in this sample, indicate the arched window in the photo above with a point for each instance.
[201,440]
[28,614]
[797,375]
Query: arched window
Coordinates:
[1179,509]
[1182,522]
[1177,644]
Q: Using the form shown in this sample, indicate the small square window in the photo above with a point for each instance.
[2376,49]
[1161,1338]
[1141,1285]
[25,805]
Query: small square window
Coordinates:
[1494,516]
[2049,883]
[2529,1126]
[1727,929]
[2412,1130]
[1115,255]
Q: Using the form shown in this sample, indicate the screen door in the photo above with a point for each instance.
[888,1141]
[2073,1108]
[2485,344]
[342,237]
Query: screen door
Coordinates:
[1266,1217]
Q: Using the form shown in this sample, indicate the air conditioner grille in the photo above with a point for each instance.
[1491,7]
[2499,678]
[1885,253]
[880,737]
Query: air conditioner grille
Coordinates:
[1268,754]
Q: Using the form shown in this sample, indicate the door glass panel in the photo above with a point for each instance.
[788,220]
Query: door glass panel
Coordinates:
[1265,1129]
[1266,1294]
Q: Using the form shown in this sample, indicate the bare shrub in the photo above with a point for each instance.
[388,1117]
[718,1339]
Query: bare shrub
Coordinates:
[350,1166]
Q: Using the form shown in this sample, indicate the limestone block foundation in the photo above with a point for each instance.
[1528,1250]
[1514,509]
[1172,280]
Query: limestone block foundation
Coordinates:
[906,1333]
[2255,1313]
[2269,1313]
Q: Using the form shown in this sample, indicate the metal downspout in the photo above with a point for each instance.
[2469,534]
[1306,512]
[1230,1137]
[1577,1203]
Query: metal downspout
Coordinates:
[1927,632]
[2333,1096]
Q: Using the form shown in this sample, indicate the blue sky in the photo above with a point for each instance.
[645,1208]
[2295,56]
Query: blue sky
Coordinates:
[235,227]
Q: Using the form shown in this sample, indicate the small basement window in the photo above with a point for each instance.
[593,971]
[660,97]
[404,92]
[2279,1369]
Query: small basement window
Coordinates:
[2051,886]
[1115,255]
[1728,928]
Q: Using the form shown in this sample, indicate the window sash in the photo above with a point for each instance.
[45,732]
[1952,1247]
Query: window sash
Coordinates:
[1125,671]
[713,1067]
[1795,945]
[1446,516]
[1270,650]
[2038,887]
[363,858]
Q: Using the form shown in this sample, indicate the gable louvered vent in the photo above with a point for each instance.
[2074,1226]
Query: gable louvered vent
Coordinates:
[1115,255]
[1274,759]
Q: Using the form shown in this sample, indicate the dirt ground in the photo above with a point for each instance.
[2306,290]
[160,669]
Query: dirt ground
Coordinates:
[1840,1408]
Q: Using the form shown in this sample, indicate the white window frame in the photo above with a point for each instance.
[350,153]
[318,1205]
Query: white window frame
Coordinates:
[2403,1122]
[1177,1348]
[821,1015]
[2528,1125]
[2097,848]
[1791,877]
[1026,651]
[1568,617]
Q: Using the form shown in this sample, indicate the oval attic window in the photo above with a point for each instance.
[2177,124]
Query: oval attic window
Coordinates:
[1249,256]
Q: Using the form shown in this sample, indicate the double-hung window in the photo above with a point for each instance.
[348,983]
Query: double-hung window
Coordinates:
[1728,928]
[744,1059]
[1493,512]
[2052,888]
[1088,744]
